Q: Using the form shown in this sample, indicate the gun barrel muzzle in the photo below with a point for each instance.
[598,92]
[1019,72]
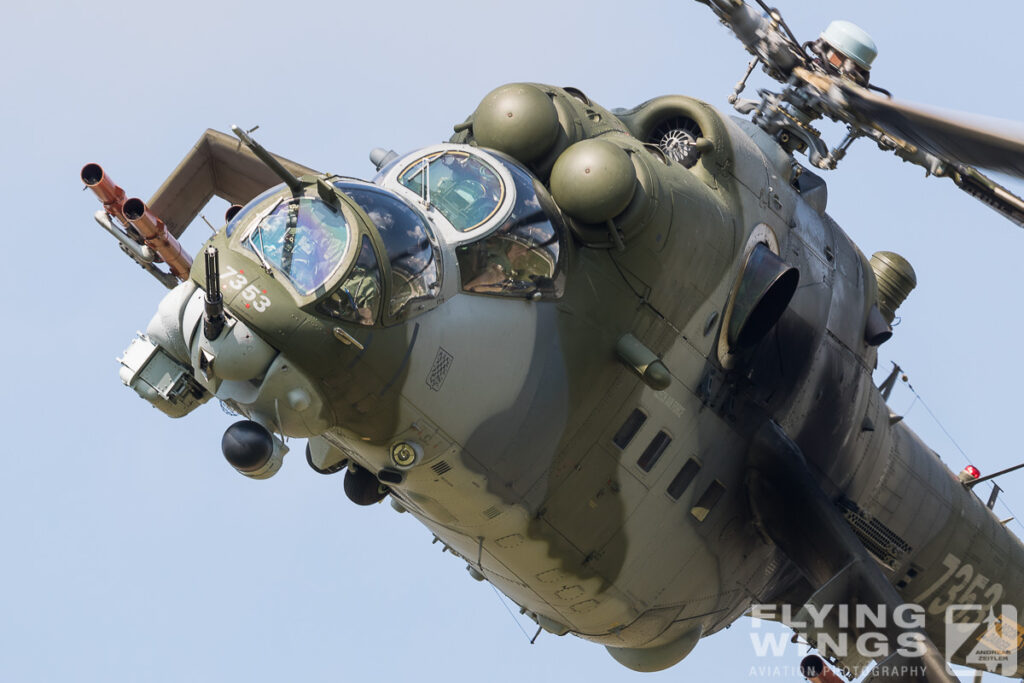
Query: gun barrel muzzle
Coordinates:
[213,320]
[212,275]
[157,237]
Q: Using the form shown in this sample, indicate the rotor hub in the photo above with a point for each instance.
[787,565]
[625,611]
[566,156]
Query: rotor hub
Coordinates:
[852,42]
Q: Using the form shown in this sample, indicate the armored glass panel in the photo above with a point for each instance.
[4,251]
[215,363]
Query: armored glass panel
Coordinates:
[653,451]
[525,255]
[303,238]
[407,242]
[464,188]
[682,481]
[357,298]
[629,428]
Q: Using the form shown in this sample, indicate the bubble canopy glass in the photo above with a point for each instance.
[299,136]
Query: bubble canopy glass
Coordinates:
[305,239]
[409,246]
[462,186]
[377,268]
[507,231]
[524,255]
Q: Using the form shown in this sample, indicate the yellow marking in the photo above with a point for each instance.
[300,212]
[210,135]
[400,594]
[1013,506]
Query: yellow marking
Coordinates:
[1003,635]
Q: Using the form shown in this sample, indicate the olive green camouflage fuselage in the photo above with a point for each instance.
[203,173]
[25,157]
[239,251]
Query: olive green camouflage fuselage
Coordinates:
[521,408]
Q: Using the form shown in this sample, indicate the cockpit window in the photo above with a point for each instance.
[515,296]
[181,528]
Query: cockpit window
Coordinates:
[464,188]
[357,298]
[407,243]
[251,207]
[303,238]
[525,255]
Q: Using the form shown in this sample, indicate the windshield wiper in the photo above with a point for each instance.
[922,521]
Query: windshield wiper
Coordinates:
[259,252]
[288,245]
[425,194]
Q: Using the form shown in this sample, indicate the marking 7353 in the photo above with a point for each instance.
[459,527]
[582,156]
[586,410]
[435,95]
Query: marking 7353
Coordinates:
[252,295]
[961,585]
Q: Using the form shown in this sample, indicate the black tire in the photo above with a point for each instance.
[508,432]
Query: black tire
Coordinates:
[362,488]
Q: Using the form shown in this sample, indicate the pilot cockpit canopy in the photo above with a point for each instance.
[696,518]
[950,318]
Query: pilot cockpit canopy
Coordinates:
[412,261]
[371,254]
[508,233]
[464,188]
[525,254]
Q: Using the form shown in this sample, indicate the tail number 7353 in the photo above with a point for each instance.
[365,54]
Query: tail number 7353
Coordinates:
[960,585]
[252,295]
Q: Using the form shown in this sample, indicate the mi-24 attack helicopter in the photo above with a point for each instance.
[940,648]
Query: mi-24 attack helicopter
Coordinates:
[572,344]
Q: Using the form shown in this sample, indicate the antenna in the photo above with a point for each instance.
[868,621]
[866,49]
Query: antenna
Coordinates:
[1000,473]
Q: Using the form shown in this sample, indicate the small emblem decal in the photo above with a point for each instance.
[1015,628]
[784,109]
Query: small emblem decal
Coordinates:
[439,370]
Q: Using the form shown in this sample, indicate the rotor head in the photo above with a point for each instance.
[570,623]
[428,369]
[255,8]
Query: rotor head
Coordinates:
[852,42]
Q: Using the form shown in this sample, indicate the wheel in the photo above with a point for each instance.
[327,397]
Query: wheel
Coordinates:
[362,488]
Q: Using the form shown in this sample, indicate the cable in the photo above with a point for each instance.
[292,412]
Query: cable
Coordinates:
[917,397]
[509,610]
[944,430]
[1012,513]
[639,295]
[910,407]
[879,89]
[774,13]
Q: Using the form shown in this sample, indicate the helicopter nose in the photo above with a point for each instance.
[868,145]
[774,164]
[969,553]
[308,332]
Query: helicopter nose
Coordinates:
[236,354]
[231,352]
[242,368]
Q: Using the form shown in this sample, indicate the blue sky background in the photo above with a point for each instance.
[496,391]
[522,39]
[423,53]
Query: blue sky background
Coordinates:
[133,552]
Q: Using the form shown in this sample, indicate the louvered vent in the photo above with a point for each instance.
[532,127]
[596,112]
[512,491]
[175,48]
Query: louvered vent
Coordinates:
[879,539]
[441,467]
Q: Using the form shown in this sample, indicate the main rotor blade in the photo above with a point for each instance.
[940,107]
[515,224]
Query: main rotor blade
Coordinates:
[951,139]
[983,188]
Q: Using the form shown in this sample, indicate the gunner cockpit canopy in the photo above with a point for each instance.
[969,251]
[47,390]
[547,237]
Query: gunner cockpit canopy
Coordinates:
[303,238]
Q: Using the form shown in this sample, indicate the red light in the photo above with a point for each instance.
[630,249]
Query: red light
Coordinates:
[972,472]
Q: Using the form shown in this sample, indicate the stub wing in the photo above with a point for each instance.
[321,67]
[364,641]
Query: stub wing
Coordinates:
[218,165]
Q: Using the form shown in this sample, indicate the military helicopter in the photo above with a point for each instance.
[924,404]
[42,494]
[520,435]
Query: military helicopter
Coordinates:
[570,327]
